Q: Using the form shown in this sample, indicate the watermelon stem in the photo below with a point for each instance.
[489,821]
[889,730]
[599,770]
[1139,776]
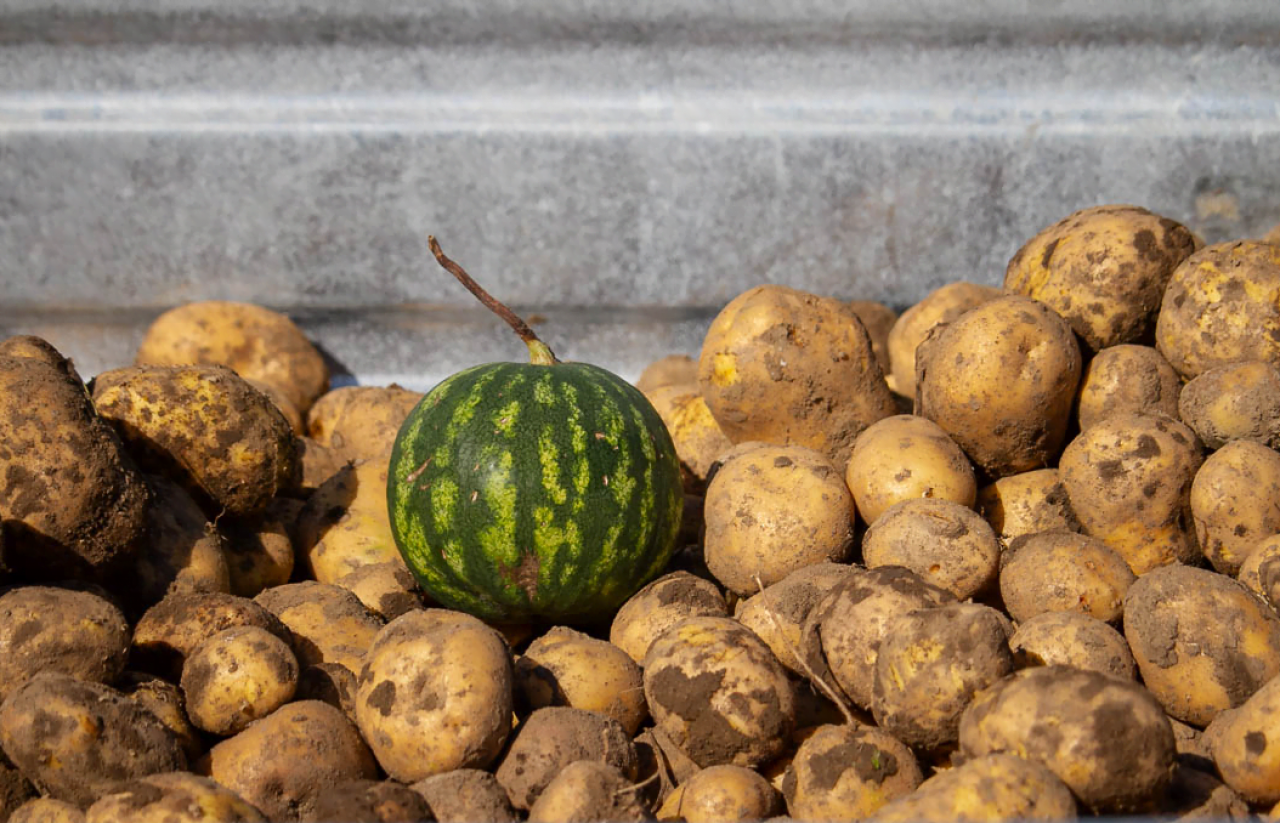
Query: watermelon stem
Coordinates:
[540,353]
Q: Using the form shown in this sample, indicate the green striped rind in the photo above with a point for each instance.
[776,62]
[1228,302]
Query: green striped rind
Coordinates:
[521,491]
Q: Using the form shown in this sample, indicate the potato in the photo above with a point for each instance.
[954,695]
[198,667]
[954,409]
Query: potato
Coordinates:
[1197,795]
[1027,503]
[466,795]
[1129,479]
[1260,571]
[73,502]
[1236,401]
[945,543]
[236,677]
[842,634]
[1246,746]
[791,368]
[843,773]
[1235,502]
[327,624]
[204,427]
[1193,748]
[1127,379]
[1222,305]
[285,761]
[282,403]
[697,436]
[719,794]
[319,463]
[259,344]
[905,457]
[386,589]
[1174,619]
[47,810]
[586,791]
[15,790]
[435,694]
[1069,638]
[991,787]
[178,625]
[1001,380]
[1104,269]
[552,738]
[1063,571]
[773,510]
[674,369]
[942,305]
[718,692]
[929,666]
[345,524]
[74,740]
[360,422]
[172,797]
[659,606]
[1106,738]
[374,801]
[878,320]
[46,629]
[568,668]
[259,550]
[165,701]
[181,550]
[777,614]
[330,683]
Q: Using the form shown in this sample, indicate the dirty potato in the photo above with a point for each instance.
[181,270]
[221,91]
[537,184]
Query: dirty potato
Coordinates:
[843,773]
[942,305]
[178,625]
[47,810]
[947,544]
[327,624]
[1260,571]
[991,787]
[552,738]
[236,677]
[1069,638]
[466,795]
[330,683]
[360,422]
[1235,502]
[1237,401]
[659,606]
[386,589]
[878,319]
[722,794]
[568,668]
[697,436]
[1063,571]
[181,550]
[1027,503]
[1127,379]
[1246,746]
[165,701]
[173,797]
[777,614]
[588,790]
[905,457]
[259,550]
[345,523]
[371,801]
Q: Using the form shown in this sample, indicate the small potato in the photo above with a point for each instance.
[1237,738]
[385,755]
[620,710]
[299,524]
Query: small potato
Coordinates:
[204,427]
[181,550]
[945,543]
[1072,639]
[1198,795]
[1246,746]
[1222,305]
[930,665]
[568,668]
[1106,738]
[15,790]
[587,791]
[1001,381]
[318,462]
[878,319]
[697,436]
[787,367]
[1237,401]
[942,305]
[259,550]
[1104,269]
[1062,571]
[285,761]
[345,524]
[777,614]
[173,797]
[1129,479]
[281,401]
[256,342]
[845,774]
[1128,379]
[370,801]
[659,606]
[674,369]
[1235,501]
[907,458]
[236,677]
[992,787]
[165,701]
[46,629]
[435,694]
[360,422]
[466,795]
[722,794]
[178,625]
[47,810]
[1260,571]
[330,683]
[552,738]
[1174,619]
[386,589]
[772,510]
[1027,503]
[327,624]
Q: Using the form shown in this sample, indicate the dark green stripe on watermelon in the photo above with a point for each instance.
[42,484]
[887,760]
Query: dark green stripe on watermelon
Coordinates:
[520,491]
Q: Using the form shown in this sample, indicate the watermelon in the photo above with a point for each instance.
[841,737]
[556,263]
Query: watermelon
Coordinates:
[520,491]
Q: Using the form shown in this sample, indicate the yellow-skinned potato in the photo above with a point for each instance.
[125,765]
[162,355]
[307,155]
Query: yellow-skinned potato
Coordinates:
[777,614]
[259,550]
[659,606]
[721,794]
[1127,379]
[788,367]
[587,790]
[942,305]
[1222,306]
[1104,269]
[674,369]
[992,787]
[878,319]
[1063,571]
[181,551]
[345,524]
[554,737]
[1001,381]
[360,422]
[1235,501]
[1174,619]
[328,624]
[173,797]
[1027,503]
[1129,478]
[697,436]
[435,694]
[1246,746]
[905,457]
[178,625]
[207,429]
[947,544]
[1072,639]
[256,342]
[718,692]
[772,510]
[1238,401]
[281,400]
[845,774]
[330,683]
[47,810]
[386,589]
[236,677]
[568,668]
[1260,571]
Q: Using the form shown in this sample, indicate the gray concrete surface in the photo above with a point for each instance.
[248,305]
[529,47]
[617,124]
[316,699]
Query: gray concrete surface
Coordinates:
[621,169]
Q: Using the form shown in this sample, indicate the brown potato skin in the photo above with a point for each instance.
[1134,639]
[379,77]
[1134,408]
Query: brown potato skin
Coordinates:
[466,795]
[1238,401]
[565,667]
[181,550]
[386,589]
[784,366]
[1063,571]
[992,787]
[1127,379]
[345,523]
[178,625]
[383,801]
[1001,380]
[326,623]
[1104,269]
[905,457]
[1260,571]
[659,606]
[360,422]
[947,544]
[552,738]
[587,790]
[842,773]
[1027,503]
[173,797]
[1246,747]
[165,701]
[15,790]
[777,614]
[47,810]
[1173,619]
[1072,639]
[942,305]
[1235,502]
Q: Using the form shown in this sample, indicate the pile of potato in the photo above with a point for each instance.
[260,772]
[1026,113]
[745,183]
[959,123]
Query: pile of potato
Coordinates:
[1014,554]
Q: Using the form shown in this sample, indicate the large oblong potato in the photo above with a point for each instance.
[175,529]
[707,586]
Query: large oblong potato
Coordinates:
[947,544]
[906,457]
[1237,401]
[1235,502]
[1127,379]
[1063,571]
[846,773]
[942,305]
